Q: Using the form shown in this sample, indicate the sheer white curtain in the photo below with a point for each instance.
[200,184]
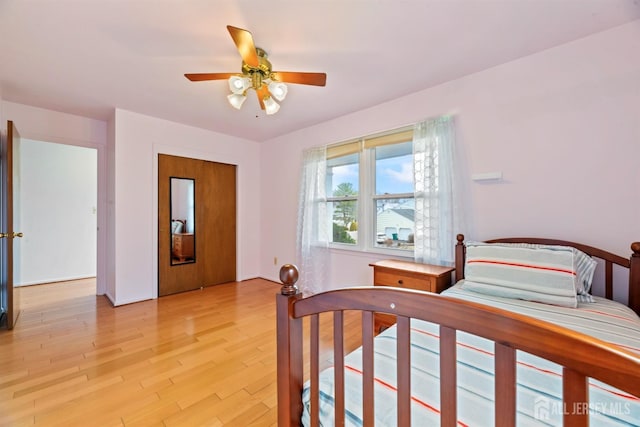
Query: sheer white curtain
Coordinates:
[313,233]
[438,213]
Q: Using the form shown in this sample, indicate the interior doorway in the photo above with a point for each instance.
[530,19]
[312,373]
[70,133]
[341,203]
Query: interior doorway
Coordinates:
[58,210]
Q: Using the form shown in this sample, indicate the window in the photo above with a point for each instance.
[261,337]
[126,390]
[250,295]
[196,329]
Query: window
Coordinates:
[393,199]
[342,190]
[367,192]
[370,192]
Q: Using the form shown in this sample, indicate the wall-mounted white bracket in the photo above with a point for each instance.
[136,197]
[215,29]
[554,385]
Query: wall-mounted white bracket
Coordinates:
[487,176]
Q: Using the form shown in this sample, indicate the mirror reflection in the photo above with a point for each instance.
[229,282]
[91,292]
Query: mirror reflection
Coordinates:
[182,199]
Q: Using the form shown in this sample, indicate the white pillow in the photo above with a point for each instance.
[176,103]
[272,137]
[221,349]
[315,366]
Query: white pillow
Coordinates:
[176,227]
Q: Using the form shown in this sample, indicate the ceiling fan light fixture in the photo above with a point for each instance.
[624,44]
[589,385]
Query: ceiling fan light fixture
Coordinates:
[239,84]
[278,90]
[270,106]
[236,100]
[257,74]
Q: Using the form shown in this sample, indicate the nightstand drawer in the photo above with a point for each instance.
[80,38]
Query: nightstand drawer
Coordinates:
[183,246]
[411,275]
[383,278]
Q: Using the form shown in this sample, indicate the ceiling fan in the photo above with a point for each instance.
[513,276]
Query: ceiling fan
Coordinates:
[257,74]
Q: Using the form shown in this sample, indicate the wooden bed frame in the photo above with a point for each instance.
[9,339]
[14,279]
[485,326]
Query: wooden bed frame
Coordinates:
[589,357]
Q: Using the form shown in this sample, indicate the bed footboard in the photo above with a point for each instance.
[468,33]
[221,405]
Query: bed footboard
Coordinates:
[290,357]
[588,358]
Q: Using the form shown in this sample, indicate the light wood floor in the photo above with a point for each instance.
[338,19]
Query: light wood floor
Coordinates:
[201,358]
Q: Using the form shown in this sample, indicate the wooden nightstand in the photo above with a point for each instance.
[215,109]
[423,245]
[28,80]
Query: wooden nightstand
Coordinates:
[411,275]
[183,246]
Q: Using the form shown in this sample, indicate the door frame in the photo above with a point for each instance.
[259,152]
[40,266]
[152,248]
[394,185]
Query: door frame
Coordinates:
[101,220]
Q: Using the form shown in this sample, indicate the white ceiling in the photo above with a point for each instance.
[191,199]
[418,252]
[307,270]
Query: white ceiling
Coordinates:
[87,57]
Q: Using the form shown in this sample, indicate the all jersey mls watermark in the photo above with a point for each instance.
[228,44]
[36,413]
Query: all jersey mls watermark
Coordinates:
[544,408]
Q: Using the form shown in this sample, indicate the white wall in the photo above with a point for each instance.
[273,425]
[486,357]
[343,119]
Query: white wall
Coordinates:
[138,140]
[563,126]
[46,125]
[58,215]
[110,217]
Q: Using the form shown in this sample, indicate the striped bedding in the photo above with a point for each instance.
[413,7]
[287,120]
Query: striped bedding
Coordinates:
[539,381]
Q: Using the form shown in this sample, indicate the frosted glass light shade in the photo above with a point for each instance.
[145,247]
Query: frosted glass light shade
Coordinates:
[278,90]
[236,100]
[270,106]
[238,84]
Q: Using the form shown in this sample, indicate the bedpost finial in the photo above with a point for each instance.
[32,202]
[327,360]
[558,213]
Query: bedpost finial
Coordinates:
[289,276]
[635,247]
[460,238]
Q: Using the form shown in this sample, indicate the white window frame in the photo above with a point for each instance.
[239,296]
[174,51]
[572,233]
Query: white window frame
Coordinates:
[366,200]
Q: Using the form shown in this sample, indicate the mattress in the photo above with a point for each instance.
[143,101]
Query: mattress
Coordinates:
[539,387]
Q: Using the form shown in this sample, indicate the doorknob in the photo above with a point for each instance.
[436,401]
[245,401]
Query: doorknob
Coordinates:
[7,235]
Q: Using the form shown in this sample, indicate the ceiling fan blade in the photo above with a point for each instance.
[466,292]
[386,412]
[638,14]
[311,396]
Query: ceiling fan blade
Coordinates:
[244,42]
[262,93]
[314,79]
[199,77]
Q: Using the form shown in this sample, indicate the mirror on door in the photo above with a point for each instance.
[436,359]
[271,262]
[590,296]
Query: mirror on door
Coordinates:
[182,203]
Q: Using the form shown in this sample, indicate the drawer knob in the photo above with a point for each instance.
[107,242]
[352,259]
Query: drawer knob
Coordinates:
[400,282]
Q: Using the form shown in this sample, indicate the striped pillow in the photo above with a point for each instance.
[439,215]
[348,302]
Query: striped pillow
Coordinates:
[547,274]
[584,264]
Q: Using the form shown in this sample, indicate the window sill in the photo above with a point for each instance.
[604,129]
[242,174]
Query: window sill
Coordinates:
[398,253]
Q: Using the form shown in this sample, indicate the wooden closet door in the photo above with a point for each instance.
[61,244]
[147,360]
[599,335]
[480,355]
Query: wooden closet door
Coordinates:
[215,225]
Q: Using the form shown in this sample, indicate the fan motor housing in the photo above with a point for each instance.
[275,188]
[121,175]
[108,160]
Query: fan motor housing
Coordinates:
[263,68]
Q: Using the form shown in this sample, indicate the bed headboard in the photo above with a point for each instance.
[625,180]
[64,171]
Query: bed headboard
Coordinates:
[632,263]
